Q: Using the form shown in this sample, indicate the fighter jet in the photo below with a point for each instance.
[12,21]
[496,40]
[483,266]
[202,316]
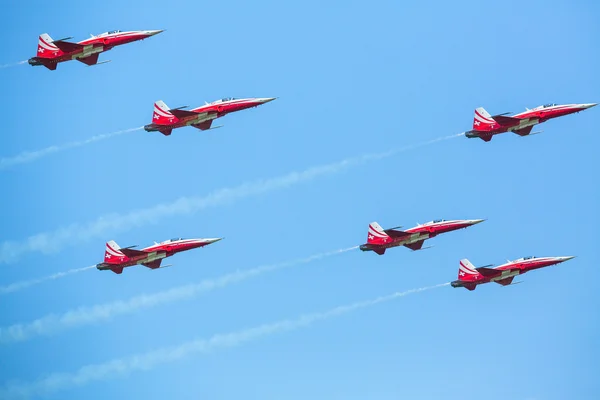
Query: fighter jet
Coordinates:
[485,125]
[379,239]
[469,276]
[166,119]
[51,52]
[116,258]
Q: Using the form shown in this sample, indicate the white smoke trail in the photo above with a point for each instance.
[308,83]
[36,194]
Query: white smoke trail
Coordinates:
[12,64]
[152,359]
[29,156]
[49,242]
[103,312]
[14,287]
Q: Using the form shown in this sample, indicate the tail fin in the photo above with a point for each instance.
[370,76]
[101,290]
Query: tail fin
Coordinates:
[377,235]
[162,115]
[482,121]
[467,271]
[113,254]
[46,48]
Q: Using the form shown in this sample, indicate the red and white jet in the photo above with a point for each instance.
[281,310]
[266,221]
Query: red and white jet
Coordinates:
[51,52]
[165,119]
[469,276]
[117,258]
[379,239]
[485,125]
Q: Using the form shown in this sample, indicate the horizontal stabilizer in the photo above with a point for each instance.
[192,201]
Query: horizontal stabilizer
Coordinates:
[379,250]
[50,65]
[132,253]
[499,115]
[117,270]
[487,272]
[68,47]
[506,120]
[183,113]
[485,137]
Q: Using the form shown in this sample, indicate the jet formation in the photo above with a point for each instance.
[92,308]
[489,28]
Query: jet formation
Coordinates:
[165,119]
[469,276]
[116,258]
[51,52]
[485,126]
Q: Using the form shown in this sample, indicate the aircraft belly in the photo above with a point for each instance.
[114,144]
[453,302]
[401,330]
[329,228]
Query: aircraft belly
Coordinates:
[525,124]
[202,118]
[417,237]
[505,274]
[88,51]
[413,238]
[152,257]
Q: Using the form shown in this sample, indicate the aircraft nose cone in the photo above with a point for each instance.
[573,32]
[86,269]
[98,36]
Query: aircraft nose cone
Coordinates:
[152,33]
[476,221]
[567,258]
[210,241]
[265,99]
[588,105]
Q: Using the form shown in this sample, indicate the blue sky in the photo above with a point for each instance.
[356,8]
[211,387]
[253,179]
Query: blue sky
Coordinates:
[351,78]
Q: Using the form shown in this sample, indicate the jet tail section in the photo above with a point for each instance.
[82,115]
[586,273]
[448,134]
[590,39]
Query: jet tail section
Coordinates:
[162,115]
[46,47]
[482,121]
[113,253]
[377,234]
[467,271]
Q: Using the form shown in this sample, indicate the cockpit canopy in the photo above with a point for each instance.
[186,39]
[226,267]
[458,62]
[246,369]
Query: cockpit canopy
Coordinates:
[109,33]
[435,221]
[546,106]
[172,240]
[526,258]
[224,100]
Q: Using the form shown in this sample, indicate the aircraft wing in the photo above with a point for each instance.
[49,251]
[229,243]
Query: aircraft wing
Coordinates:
[183,113]
[67,47]
[505,281]
[524,131]
[152,264]
[395,233]
[416,245]
[203,125]
[90,60]
[488,272]
[132,253]
[502,120]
